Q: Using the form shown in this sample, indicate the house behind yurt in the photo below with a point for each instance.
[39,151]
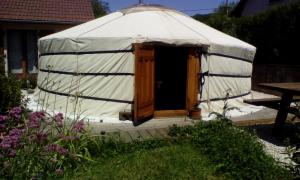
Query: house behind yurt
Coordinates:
[142,61]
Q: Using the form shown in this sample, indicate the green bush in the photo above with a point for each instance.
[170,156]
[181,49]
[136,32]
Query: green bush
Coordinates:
[29,83]
[37,145]
[234,151]
[10,93]
[273,32]
[2,65]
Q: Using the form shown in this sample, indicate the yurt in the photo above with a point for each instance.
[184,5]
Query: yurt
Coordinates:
[141,62]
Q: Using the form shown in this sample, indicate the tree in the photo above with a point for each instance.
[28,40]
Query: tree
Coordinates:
[100,8]
[220,19]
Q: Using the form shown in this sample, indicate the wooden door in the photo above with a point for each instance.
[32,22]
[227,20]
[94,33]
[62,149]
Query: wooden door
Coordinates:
[193,70]
[144,83]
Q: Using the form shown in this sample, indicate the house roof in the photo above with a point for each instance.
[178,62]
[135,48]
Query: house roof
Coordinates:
[46,11]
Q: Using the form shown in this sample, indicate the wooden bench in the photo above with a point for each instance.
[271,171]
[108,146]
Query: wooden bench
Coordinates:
[263,101]
[273,103]
[288,92]
[268,101]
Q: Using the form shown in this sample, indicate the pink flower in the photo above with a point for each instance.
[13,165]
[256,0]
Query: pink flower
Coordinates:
[12,139]
[78,126]
[15,112]
[12,153]
[41,137]
[56,148]
[35,119]
[3,118]
[51,147]
[6,143]
[59,119]
[15,136]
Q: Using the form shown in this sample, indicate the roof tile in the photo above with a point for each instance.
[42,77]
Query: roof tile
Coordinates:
[47,10]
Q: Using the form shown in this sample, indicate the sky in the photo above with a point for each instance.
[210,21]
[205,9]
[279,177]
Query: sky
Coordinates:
[190,7]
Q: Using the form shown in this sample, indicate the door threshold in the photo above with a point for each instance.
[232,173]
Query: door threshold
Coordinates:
[170,113]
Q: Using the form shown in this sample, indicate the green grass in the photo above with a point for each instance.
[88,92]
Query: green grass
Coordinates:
[208,150]
[171,162]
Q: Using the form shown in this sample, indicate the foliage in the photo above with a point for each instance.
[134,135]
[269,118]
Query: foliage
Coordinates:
[10,93]
[37,145]
[293,150]
[214,149]
[2,65]
[181,161]
[274,32]
[100,8]
[108,147]
[234,152]
[226,108]
[294,165]
[220,19]
[29,83]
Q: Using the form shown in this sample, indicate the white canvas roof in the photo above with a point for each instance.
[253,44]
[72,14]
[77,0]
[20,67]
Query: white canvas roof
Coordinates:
[150,24]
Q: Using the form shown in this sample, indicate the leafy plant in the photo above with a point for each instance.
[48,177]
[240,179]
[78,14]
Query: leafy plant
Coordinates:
[273,32]
[226,108]
[37,145]
[293,150]
[2,65]
[29,83]
[233,151]
[10,93]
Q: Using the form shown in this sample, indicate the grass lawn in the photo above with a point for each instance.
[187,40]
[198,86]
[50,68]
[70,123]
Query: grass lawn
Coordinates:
[171,162]
[214,150]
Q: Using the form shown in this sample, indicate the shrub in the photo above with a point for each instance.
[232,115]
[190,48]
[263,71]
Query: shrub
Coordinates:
[2,65]
[30,82]
[10,93]
[234,151]
[37,145]
[273,32]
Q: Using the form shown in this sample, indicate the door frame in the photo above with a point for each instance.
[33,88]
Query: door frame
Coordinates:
[192,83]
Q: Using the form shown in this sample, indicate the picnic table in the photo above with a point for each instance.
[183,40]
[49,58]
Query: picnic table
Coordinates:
[288,91]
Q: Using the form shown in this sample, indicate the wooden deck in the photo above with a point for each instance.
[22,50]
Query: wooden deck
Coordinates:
[159,128]
[153,129]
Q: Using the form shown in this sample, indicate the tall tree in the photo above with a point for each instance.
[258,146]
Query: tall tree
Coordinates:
[100,8]
[220,19]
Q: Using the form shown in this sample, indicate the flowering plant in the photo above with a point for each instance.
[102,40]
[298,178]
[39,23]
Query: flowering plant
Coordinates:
[36,145]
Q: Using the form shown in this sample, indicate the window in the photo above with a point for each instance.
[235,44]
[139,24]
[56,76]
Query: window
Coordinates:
[22,51]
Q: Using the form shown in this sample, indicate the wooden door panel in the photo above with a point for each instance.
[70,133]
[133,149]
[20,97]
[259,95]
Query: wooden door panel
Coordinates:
[192,79]
[144,82]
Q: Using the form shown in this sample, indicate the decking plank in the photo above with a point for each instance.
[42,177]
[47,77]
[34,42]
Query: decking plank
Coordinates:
[125,137]
[154,134]
[163,132]
[135,135]
[144,134]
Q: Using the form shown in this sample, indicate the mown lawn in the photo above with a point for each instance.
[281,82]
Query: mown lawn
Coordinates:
[170,162]
[213,150]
